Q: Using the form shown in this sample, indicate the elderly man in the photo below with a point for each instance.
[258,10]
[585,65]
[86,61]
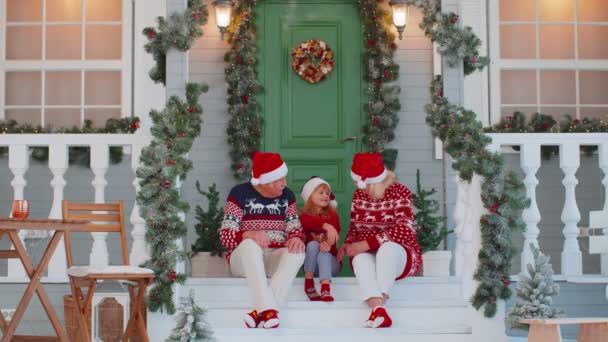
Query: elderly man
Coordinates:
[263,235]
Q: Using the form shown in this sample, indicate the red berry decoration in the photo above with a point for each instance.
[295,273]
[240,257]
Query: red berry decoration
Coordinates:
[506,282]
[172,275]
[166,184]
[151,34]
[135,125]
[454,19]
[375,122]
[386,74]
[170,162]
[191,109]
[181,134]
[370,43]
[245,98]
[494,208]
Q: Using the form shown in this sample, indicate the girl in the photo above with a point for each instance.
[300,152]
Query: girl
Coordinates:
[321,226]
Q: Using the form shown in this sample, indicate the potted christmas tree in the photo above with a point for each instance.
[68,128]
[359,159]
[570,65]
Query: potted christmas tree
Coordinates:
[209,260]
[431,230]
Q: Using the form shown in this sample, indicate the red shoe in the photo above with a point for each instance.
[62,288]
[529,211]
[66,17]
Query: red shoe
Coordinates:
[326,293]
[252,319]
[382,319]
[270,319]
[370,320]
[311,292]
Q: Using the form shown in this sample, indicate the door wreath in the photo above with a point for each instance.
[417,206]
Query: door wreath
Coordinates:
[313,60]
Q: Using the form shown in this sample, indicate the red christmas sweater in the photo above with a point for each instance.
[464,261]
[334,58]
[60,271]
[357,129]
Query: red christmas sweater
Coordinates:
[247,210]
[387,219]
[314,224]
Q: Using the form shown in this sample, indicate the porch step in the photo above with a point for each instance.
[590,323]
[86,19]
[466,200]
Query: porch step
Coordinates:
[210,290]
[334,335]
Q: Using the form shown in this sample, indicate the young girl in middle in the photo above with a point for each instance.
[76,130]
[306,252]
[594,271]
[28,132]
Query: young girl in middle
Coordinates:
[322,228]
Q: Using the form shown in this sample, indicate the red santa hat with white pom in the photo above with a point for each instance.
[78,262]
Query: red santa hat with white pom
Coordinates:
[267,168]
[368,168]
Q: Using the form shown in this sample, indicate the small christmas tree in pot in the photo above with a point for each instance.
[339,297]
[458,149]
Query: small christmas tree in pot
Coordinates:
[431,230]
[208,260]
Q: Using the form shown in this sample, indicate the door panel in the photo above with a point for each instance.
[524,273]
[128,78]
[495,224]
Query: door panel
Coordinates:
[307,123]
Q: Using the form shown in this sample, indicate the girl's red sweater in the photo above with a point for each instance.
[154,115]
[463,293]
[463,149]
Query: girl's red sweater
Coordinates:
[314,224]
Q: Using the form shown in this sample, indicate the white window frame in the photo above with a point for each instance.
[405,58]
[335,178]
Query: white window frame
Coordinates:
[124,65]
[497,64]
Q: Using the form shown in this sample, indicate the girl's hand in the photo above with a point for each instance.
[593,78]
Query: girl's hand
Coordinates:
[341,252]
[332,233]
[357,248]
[325,246]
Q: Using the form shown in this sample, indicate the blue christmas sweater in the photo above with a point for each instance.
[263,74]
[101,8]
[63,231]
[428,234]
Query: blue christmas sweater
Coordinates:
[247,210]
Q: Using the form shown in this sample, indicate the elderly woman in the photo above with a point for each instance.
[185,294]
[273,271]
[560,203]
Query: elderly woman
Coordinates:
[381,240]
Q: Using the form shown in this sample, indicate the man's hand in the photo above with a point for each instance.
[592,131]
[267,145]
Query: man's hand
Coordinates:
[324,246]
[341,252]
[295,245]
[356,248]
[332,233]
[261,238]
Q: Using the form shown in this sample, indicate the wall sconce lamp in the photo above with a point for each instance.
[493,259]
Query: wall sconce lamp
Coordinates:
[223,11]
[401,10]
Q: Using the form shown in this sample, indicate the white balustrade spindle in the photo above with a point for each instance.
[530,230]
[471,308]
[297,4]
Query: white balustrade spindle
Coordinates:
[139,249]
[530,163]
[569,161]
[18,163]
[99,165]
[58,164]
[599,219]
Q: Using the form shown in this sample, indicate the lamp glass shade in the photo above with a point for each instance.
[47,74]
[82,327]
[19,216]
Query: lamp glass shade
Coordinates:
[400,15]
[222,15]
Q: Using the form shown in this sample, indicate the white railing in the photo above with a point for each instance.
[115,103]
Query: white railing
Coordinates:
[58,144]
[469,208]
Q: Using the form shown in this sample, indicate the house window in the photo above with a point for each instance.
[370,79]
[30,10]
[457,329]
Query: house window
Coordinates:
[549,56]
[64,61]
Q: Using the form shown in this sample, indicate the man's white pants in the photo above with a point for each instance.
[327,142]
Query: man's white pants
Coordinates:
[376,273]
[250,261]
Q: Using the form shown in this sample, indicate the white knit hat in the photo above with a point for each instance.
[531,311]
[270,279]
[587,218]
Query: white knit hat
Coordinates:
[310,186]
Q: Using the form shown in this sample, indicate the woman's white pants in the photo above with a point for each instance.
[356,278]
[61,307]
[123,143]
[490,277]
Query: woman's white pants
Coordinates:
[250,261]
[376,272]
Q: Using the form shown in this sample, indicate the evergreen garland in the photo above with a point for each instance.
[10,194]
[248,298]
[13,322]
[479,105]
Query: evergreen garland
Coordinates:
[162,163]
[78,155]
[245,124]
[190,323]
[503,194]
[209,223]
[534,292]
[178,32]
[380,68]
[430,229]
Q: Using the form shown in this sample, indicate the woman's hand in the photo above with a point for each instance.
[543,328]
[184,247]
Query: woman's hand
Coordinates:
[341,252]
[332,233]
[324,246]
[356,248]
[295,245]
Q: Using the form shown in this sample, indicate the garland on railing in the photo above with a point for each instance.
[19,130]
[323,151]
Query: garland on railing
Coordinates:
[542,123]
[178,32]
[380,68]
[78,155]
[503,194]
[162,163]
[455,43]
[245,124]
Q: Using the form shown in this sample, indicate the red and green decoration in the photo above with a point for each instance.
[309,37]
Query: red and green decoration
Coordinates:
[179,31]
[78,155]
[312,60]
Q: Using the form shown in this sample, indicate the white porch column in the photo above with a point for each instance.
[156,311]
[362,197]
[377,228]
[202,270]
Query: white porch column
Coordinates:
[139,250]
[530,162]
[569,161]
[58,164]
[99,165]
[599,219]
[18,163]
[459,218]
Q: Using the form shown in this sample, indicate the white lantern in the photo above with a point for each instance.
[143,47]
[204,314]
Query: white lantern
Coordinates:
[401,10]
[223,12]
[110,295]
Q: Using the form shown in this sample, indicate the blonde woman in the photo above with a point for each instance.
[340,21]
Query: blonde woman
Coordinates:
[381,240]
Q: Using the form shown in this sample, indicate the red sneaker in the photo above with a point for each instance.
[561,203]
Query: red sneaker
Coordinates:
[326,293]
[270,319]
[252,319]
[311,292]
[382,319]
[370,320]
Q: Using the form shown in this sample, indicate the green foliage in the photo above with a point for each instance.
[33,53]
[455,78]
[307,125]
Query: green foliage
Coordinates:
[534,292]
[78,155]
[430,229]
[190,322]
[209,223]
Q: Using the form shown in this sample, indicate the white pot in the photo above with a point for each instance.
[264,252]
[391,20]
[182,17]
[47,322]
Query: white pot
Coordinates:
[436,263]
[204,265]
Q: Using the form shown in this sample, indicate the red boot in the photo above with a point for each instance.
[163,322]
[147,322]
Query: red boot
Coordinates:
[252,319]
[311,292]
[326,293]
[270,319]
[382,319]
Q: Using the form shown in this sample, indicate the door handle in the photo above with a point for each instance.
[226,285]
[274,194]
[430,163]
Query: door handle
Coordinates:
[353,138]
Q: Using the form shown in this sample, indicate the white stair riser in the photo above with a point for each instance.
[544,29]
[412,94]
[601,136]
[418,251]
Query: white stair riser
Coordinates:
[341,292]
[352,337]
[418,319]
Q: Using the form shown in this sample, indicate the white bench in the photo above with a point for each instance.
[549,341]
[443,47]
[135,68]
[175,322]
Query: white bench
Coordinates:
[592,329]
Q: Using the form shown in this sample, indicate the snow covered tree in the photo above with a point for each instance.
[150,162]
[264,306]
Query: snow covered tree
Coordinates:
[190,324]
[534,292]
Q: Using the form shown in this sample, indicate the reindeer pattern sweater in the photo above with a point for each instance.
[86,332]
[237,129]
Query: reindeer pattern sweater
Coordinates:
[247,210]
[387,219]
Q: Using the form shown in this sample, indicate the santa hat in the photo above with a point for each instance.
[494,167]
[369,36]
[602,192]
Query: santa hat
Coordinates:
[368,168]
[310,186]
[267,168]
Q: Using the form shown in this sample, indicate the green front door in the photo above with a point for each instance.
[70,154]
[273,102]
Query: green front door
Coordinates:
[315,127]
